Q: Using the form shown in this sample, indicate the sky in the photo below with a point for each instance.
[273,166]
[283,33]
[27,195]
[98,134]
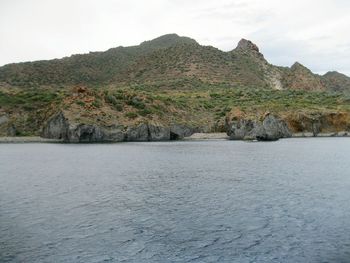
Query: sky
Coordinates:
[312,32]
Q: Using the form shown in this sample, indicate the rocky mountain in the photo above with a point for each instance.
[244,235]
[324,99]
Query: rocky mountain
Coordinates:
[166,59]
[336,81]
[168,88]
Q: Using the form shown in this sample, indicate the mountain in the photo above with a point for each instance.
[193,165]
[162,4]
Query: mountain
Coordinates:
[336,81]
[168,88]
[300,77]
[167,59]
[92,68]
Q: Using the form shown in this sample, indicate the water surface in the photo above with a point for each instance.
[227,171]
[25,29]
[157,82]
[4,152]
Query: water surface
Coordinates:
[210,201]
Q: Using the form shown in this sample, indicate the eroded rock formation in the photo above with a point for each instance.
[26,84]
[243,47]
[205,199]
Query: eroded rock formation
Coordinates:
[59,127]
[269,129]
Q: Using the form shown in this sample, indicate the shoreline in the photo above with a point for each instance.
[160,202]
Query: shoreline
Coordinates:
[193,137]
[29,139]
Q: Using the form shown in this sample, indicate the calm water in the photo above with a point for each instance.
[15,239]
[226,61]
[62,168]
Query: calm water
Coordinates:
[213,201]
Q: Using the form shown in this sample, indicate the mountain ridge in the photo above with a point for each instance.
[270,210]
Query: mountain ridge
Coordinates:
[170,57]
[168,88]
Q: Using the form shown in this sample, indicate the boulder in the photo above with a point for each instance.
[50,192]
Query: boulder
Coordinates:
[273,129]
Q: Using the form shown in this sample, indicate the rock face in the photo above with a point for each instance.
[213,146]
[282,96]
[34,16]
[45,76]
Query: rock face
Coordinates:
[270,129]
[318,124]
[153,132]
[6,127]
[158,133]
[59,127]
[245,44]
[94,133]
[178,132]
[138,133]
[56,127]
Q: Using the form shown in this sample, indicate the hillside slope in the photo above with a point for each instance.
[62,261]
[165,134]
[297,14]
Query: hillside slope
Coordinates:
[168,88]
[166,59]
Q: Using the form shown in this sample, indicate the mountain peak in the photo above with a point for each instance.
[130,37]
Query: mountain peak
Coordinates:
[333,73]
[168,40]
[300,67]
[245,44]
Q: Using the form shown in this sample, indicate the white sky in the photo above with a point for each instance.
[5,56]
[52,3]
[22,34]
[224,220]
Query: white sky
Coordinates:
[313,32]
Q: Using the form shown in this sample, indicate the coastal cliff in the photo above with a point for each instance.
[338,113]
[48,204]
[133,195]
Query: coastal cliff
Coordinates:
[167,89]
[60,127]
[268,127]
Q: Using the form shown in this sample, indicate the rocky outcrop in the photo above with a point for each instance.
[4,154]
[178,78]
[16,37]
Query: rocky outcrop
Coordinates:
[156,132]
[271,128]
[59,127]
[178,132]
[56,127]
[319,124]
[245,44]
[137,133]
[94,133]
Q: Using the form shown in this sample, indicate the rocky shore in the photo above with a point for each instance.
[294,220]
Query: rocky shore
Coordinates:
[237,126]
[61,128]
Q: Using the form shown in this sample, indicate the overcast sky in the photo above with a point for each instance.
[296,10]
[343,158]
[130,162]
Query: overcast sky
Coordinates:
[313,32]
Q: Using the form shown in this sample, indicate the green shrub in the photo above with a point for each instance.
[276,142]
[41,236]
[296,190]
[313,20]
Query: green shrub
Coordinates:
[136,102]
[97,103]
[131,115]
[111,99]
[144,112]
[80,103]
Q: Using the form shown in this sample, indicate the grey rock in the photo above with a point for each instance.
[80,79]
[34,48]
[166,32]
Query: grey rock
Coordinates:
[138,133]
[242,129]
[271,128]
[148,132]
[178,132]
[11,131]
[93,133]
[3,120]
[158,133]
[56,127]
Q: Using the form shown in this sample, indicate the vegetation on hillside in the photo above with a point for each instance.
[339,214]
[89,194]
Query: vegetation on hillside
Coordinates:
[167,80]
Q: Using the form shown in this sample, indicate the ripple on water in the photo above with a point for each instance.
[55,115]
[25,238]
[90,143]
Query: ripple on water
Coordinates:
[215,201]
